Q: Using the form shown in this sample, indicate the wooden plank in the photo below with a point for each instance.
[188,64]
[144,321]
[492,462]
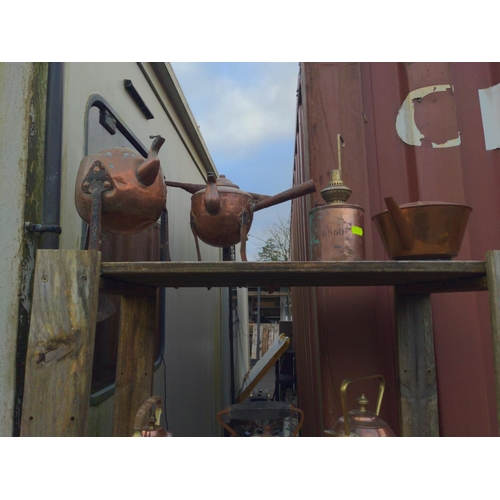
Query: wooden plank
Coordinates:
[61,343]
[467,284]
[116,287]
[493,273]
[244,274]
[417,370]
[263,366]
[135,363]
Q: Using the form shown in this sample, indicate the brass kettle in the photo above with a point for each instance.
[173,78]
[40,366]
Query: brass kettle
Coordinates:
[151,427]
[422,230]
[362,422]
[222,213]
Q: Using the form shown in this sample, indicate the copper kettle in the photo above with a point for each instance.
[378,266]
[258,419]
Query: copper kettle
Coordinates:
[362,422]
[150,427]
[422,230]
[222,213]
[127,189]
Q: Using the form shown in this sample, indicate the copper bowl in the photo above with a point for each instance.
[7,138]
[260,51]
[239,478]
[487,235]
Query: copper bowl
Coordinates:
[438,229]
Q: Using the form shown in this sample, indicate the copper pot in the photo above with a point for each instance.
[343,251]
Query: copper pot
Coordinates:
[147,424]
[361,422]
[422,230]
[130,189]
[222,213]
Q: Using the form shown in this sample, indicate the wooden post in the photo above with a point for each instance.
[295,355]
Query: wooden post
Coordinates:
[61,343]
[135,363]
[417,371]
[493,276]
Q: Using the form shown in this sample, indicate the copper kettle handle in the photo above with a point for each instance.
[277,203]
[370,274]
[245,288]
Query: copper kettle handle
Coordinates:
[404,230]
[343,397]
[140,422]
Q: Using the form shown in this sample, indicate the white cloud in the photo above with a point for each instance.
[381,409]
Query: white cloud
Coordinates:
[237,113]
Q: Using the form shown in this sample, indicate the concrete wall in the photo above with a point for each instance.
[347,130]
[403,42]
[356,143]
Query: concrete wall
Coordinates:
[21,150]
[192,341]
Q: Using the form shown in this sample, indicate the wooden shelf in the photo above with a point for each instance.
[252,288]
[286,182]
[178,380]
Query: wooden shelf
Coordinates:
[65,298]
[423,276]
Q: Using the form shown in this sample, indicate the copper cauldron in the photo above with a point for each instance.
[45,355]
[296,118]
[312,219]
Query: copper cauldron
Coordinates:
[147,424]
[422,230]
[129,189]
[362,422]
[222,213]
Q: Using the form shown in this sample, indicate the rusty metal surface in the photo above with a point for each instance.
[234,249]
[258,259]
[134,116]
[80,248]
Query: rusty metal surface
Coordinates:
[415,132]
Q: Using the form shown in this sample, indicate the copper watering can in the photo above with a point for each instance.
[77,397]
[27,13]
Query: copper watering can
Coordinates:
[222,213]
[422,230]
[362,422]
[146,423]
[119,191]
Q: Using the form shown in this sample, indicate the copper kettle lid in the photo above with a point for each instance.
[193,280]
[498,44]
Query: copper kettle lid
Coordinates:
[363,418]
[222,180]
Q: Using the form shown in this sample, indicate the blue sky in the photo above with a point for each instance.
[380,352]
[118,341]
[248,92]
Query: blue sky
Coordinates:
[247,116]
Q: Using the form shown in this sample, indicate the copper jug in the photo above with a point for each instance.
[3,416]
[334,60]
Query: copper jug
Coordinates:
[150,427]
[362,422]
[222,213]
[129,190]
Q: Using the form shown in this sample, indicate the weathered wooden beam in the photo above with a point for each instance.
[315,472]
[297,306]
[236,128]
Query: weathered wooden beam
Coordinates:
[493,274]
[417,370]
[135,363]
[116,287]
[467,284]
[243,274]
[61,343]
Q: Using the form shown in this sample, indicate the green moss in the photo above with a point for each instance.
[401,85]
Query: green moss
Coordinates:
[35,113]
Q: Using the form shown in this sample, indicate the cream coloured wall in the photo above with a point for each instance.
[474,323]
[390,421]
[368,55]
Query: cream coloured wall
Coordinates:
[194,334]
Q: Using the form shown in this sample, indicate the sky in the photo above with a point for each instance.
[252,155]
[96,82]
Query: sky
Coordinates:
[246,112]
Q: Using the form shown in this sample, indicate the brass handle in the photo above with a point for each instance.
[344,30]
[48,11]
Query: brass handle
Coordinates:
[343,397]
[140,422]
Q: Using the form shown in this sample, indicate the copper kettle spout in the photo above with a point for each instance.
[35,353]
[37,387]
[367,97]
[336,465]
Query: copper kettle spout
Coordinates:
[294,192]
[404,229]
[148,171]
[211,199]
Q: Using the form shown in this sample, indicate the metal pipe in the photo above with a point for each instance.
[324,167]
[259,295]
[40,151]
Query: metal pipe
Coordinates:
[294,192]
[258,322]
[194,188]
[51,206]
[227,256]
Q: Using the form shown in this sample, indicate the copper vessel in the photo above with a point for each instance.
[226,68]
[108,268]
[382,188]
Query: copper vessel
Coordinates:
[337,228]
[146,423]
[130,189]
[362,422]
[222,213]
[422,230]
